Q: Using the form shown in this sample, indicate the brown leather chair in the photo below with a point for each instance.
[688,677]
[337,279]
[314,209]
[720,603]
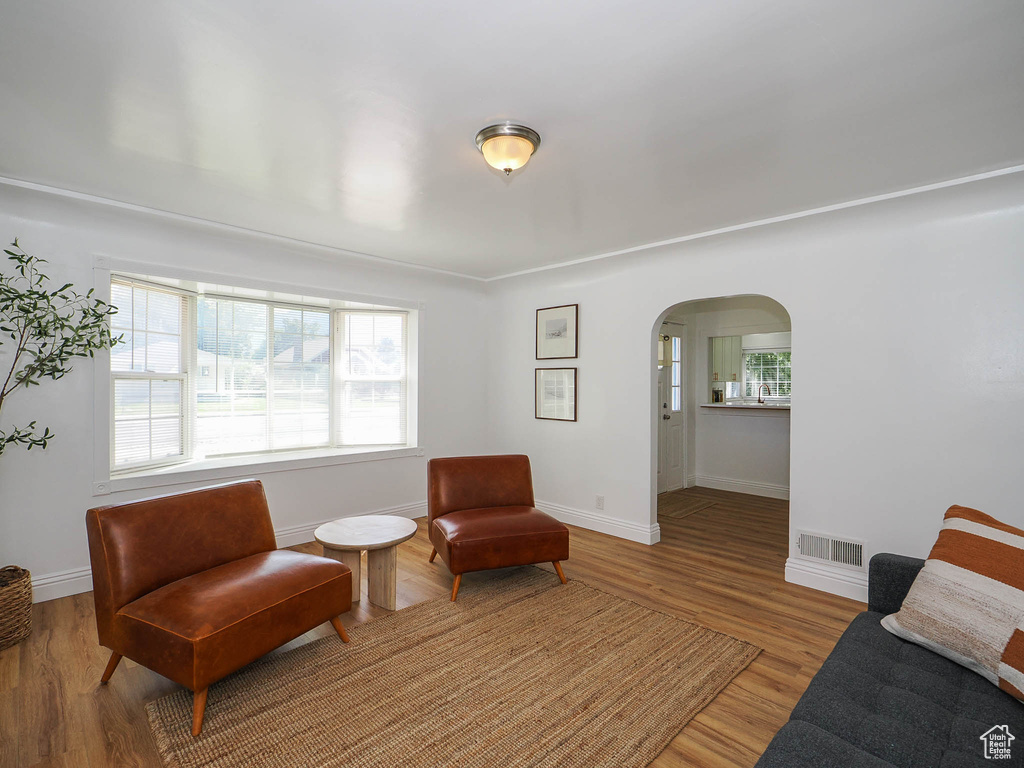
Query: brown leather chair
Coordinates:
[193,586]
[481,515]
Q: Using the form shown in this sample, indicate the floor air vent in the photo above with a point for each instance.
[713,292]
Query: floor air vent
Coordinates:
[827,549]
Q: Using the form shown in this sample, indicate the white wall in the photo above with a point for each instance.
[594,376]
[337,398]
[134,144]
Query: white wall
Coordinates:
[930,287]
[746,451]
[44,494]
[731,449]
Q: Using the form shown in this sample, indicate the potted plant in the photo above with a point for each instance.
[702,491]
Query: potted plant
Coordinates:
[42,330]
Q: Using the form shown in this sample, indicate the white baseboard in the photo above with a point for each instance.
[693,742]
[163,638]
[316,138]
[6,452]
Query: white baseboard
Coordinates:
[744,486]
[828,578]
[50,586]
[690,481]
[592,521]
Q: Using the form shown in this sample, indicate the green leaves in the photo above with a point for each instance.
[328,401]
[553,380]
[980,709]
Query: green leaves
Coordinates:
[25,436]
[49,329]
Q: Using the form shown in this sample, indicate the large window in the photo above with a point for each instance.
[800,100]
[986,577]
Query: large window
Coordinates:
[263,377]
[204,376]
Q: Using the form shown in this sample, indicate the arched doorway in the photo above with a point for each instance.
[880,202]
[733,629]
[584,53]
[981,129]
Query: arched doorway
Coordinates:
[722,395]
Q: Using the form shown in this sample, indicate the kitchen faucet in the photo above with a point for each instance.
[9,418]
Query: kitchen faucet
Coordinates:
[760,399]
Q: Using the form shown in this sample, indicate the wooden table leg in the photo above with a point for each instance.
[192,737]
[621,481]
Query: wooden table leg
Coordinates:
[381,576]
[351,558]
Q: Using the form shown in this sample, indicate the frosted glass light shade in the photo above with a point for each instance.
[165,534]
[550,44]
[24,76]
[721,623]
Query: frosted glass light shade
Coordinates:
[507,153]
[507,147]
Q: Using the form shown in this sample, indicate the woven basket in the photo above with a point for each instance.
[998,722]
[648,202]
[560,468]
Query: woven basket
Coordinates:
[15,605]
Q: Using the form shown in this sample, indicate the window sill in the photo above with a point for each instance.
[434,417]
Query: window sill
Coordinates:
[750,406]
[231,467]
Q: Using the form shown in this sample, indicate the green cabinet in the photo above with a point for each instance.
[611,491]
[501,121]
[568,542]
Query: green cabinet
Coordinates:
[726,359]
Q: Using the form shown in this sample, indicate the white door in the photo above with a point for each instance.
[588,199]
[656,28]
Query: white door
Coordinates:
[671,402]
[663,410]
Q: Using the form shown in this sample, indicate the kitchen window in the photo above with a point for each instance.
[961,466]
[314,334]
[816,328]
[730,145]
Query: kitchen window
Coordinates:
[212,375]
[773,368]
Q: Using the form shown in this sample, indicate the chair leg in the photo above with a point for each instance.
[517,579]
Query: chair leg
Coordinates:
[455,586]
[198,710]
[433,554]
[115,659]
[339,628]
[558,570]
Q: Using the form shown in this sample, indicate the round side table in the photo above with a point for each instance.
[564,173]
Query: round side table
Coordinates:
[379,536]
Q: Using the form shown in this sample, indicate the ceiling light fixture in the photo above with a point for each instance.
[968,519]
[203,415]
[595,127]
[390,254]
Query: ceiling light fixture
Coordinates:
[507,147]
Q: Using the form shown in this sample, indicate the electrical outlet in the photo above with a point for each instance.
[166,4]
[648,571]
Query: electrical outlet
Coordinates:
[599,502]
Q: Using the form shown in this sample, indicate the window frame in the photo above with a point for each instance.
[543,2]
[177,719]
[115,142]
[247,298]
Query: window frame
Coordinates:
[676,373]
[187,338]
[241,465]
[338,378]
[272,305]
[743,381]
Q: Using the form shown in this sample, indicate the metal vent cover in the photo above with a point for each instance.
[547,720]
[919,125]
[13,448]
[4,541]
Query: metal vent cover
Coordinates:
[817,546]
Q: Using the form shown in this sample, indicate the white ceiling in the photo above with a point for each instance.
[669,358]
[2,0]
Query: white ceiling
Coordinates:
[351,124]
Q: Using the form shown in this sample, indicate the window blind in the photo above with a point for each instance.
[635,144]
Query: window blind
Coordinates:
[772,368]
[372,380]
[148,375]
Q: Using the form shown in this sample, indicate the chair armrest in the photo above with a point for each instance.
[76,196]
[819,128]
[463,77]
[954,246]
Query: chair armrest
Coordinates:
[889,580]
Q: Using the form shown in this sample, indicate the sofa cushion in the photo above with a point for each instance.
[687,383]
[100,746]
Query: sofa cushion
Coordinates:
[893,701]
[967,604]
[498,537]
[205,626]
[802,745]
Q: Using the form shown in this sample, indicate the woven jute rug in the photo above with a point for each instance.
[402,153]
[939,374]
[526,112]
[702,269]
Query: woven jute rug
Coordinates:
[520,671]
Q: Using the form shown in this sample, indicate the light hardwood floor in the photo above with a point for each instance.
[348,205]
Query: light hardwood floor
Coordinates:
[721,567]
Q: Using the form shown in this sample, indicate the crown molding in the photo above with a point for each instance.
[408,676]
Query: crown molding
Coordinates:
[66,193]
[222,227]
[766,222]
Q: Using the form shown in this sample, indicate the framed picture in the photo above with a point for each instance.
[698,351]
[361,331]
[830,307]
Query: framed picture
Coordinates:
[555,394]
[557,332]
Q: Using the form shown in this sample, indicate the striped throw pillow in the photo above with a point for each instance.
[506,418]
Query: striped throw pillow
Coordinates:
[967,604]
